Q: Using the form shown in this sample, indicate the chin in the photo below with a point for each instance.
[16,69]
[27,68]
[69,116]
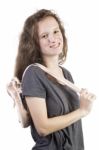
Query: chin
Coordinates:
[57,53]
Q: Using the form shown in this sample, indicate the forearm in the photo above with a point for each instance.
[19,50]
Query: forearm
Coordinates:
[60,122]
[23,115]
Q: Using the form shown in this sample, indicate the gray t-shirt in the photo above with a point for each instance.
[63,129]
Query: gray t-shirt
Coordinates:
[60,100]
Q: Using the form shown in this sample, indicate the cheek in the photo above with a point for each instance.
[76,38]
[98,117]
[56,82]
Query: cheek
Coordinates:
[61,40]
[61,37]
[43,45]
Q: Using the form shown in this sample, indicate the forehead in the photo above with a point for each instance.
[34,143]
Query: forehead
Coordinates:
[46,24]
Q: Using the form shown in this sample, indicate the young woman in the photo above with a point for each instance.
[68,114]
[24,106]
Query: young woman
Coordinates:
[55,110]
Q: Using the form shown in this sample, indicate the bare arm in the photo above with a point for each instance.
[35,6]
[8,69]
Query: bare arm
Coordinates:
[45,125]
[23,115]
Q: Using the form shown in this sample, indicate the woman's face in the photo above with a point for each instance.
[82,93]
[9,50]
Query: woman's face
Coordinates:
[50,37]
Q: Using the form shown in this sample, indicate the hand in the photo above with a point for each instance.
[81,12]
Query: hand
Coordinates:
[13,88]
[86,101]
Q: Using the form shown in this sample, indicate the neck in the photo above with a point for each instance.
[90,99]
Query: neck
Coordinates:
[51,63]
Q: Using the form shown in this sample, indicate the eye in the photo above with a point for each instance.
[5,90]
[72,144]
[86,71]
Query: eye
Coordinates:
[56,31]
[44,36]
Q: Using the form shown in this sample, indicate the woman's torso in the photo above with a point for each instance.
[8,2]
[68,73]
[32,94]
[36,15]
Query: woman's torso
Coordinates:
[60,100]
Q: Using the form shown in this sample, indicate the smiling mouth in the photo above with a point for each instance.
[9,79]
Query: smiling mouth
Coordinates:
[55,45]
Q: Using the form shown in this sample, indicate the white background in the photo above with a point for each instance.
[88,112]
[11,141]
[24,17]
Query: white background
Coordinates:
[81,21]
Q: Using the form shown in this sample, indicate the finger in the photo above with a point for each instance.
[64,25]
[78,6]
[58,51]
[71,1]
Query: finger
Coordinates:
[92,97]
[15,84]
[17,80]
[83,91]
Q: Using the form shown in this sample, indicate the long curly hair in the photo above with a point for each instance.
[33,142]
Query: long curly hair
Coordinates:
[29,48]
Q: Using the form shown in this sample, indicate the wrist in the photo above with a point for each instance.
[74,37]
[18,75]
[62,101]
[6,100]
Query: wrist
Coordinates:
[82,112]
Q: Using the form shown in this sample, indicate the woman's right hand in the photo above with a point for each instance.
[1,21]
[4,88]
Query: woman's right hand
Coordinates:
[86,101]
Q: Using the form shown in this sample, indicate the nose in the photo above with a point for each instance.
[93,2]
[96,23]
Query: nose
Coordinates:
[51,38]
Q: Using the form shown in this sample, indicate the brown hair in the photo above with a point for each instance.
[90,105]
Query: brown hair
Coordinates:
[29,49]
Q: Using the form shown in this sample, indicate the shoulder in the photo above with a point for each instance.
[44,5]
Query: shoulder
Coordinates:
[66,70]
[67,74]
[32,70]
[32,82]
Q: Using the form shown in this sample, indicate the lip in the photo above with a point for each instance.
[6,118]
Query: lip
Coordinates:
[55,45]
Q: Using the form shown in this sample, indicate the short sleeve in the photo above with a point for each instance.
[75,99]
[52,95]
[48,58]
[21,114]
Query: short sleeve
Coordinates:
[32,83]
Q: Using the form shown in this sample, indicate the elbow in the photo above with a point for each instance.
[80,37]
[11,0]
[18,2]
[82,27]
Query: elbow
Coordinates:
[42,127]
[25,122]
[43,131]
